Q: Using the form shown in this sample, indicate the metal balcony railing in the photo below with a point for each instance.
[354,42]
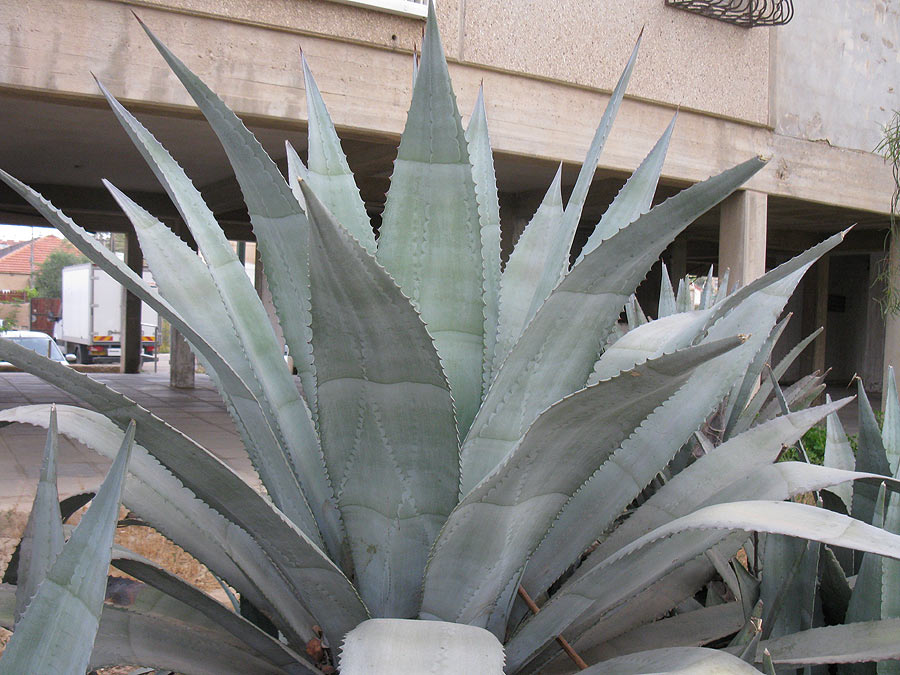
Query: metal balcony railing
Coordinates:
[747,13]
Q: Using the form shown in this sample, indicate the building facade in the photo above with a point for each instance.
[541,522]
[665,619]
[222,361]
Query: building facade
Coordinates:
[812,95]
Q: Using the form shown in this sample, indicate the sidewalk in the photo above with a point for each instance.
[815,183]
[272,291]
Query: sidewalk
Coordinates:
[198,413]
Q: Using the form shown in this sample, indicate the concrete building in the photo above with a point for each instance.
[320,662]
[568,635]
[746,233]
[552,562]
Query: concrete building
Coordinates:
[812,95]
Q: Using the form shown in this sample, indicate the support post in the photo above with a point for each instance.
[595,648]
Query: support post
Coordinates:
[742,236]
[181,358]
[130,359]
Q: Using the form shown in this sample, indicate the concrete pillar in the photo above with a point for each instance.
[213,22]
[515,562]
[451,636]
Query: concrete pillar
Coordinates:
[181,362]
[892,320]
[130,361]
[742,236]
[181,358]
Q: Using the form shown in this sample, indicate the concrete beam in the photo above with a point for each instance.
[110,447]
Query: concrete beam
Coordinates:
[742,236]
[367,89]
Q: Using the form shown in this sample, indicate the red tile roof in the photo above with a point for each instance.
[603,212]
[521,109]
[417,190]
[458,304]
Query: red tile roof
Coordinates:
[17,259]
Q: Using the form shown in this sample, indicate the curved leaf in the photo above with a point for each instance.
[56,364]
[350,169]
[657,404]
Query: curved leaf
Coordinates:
[277,564]
[693,660]
[278,221]
[499,523]
[328,172]
[849,643]
[524,286]
[636,195]
[628,570]
[556,352]
[43,538]
[489,216]
[430,237]
[186,283]
[57,631]
[385,416]
[838,453]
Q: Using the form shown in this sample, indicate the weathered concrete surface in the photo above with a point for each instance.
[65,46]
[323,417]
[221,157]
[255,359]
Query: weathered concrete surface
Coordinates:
[742,236]
[837,71]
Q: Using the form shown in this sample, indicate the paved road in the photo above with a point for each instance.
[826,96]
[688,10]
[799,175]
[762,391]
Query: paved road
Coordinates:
[197,412]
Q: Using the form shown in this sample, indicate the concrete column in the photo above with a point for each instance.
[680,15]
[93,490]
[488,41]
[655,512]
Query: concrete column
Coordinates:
[742,236]
[130,361]
[181,358]
[892,320]
[181,362]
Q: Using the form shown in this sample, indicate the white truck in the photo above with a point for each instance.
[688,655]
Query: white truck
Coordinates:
[91,322]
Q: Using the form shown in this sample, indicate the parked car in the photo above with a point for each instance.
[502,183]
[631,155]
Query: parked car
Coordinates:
[37,342]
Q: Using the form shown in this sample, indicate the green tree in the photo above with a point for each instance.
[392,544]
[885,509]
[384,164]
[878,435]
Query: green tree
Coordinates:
[48,280]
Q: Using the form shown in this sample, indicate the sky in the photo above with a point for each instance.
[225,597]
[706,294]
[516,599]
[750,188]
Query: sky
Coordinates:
[24,233]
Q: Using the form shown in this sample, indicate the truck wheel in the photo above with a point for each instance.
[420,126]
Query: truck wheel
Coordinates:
[83,353]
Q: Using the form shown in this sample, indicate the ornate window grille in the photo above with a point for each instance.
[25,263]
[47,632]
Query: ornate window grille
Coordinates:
[747,13]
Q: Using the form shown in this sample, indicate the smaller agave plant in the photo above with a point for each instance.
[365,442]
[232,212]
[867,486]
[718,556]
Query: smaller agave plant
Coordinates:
[457,439]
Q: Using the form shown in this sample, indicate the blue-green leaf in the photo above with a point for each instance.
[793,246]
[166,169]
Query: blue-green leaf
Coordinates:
[430,237]
[385,416]
[56,633]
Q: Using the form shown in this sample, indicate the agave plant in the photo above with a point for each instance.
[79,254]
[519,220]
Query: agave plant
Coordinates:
[456,438]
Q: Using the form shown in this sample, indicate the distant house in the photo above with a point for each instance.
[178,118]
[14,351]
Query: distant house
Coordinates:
[19,261]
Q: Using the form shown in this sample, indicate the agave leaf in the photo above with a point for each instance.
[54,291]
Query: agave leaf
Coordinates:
[784,590]
[385,416]
[865,601]
[246,318]
[634,313]
[489,217]
[739,399]
[43,538]
[556,352]
[706,296]
[890,432]
[648,558]
[242,327]
[835,589]
[636,195]
[749,413]
[104,258]
[185,281]
[57,630]
[713,474]
[849,643]
[694,629]
[722,291]
[509,511]
[328,173]
[794,397]
[297,171]
[695,660]
[387,646]
[277,562]
[278,221]
[171,645]
[870,457]
[648,341]
[430,237]
[683,301]
[666,295]
[522,287]
[838,454]
[650,449]
[563,244]
[197,469]
[245,631]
